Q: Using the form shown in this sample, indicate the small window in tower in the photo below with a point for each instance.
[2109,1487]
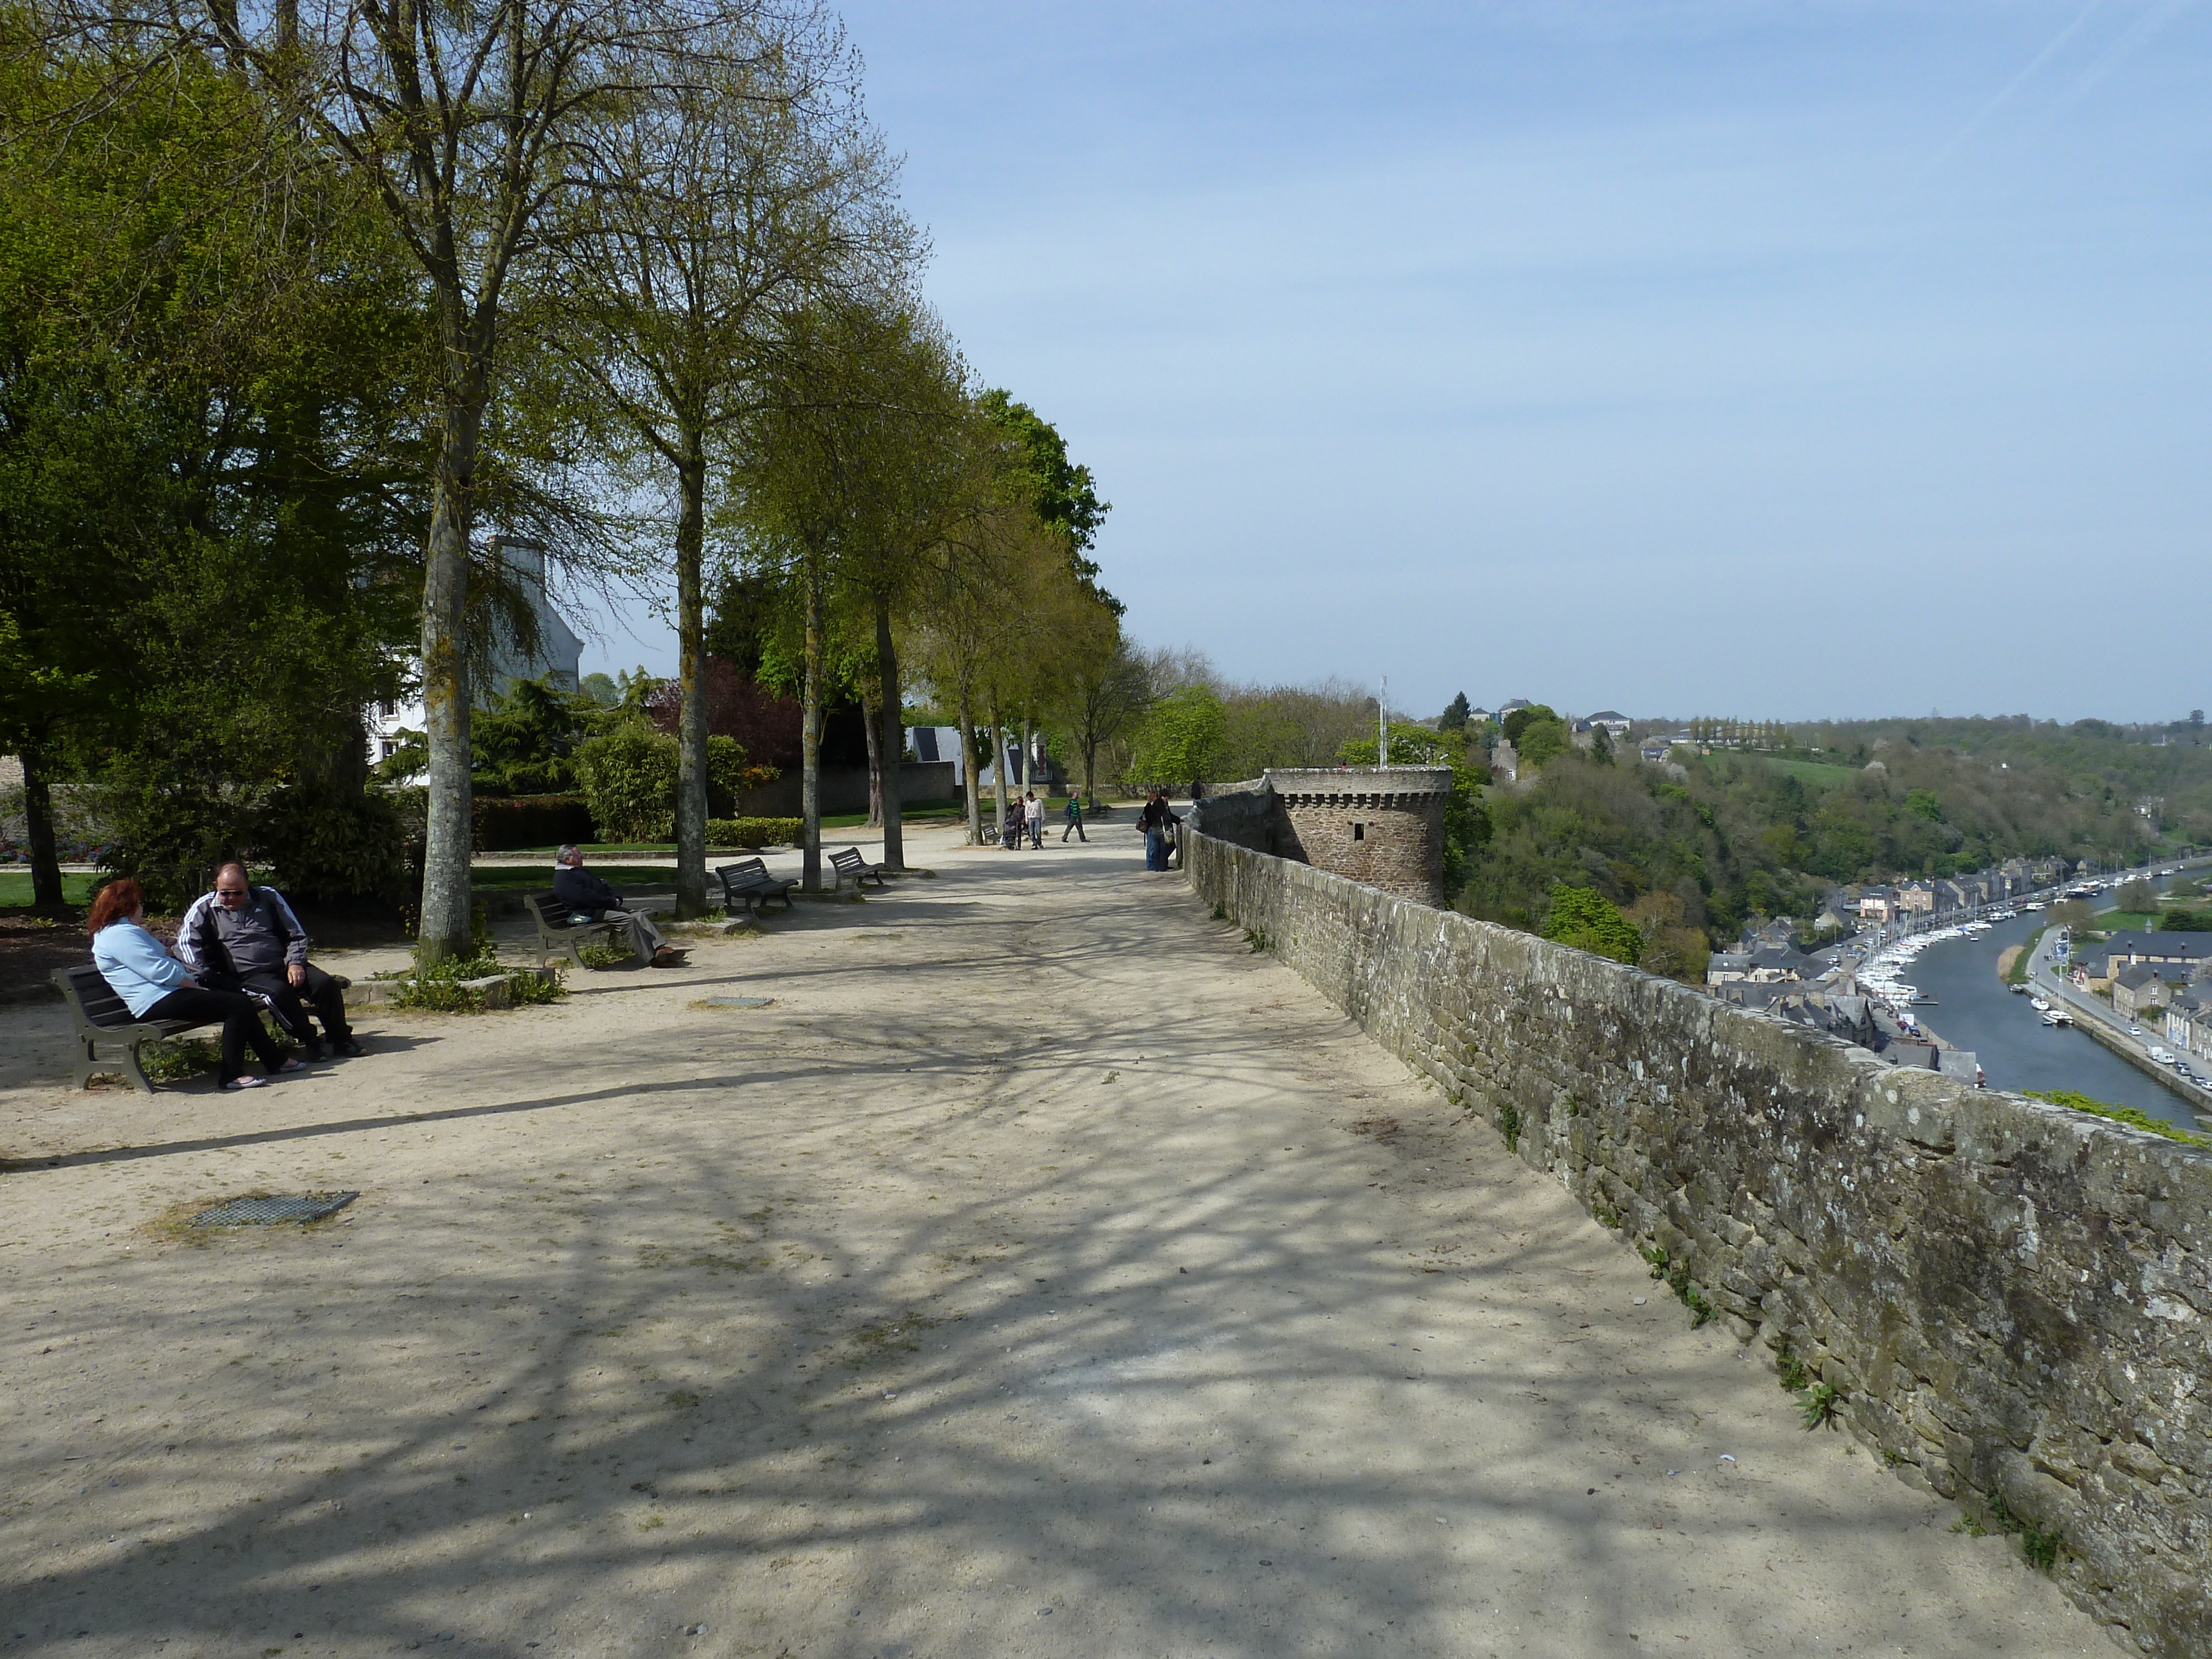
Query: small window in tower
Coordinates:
[1360,832]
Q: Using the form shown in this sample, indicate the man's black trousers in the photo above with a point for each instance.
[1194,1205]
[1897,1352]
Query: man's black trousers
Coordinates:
[321,992]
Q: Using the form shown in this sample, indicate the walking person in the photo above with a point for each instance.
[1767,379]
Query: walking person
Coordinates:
[154,985]
[1034,809]
[1155,821]
[1074,822]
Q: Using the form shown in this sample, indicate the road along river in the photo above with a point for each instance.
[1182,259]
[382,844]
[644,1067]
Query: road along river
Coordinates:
[1974,1009]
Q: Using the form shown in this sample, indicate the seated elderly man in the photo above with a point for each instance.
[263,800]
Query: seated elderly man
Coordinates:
[244,938]
[588,896]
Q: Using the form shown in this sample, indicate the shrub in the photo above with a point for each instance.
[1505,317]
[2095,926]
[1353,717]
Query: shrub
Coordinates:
[628,779]
[519,821]
[753,832]
[1585,919]
[327,845]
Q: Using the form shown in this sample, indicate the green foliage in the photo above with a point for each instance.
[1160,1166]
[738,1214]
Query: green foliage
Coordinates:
[1060,492]
[1256,940]
[1789,1371]
[1454,719]
[1508,1127]
[1541,741]
[753,832]
[506,824]
[628,774]
[2075,1101]
[1182,740]
[2139,895]
[2174,919]
[327,846]
[1818,1405]
[1923,804]
[523,744]
[1585,919]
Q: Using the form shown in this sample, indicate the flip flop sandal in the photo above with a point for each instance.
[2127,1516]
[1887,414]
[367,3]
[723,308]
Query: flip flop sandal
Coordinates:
[244,1083]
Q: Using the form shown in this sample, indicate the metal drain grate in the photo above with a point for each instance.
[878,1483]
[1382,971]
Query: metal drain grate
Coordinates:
[261,1211]
[739,1002]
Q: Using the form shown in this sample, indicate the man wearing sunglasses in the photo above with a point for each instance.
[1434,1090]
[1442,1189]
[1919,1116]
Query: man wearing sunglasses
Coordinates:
[245,938]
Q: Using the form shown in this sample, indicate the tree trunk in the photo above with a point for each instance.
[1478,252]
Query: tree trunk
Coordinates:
[691,674]
[999,764]
[894,737]
[809,742]
[1028,754]
[38,821]
[1091,772]
[872,723]
[449,833]
[967,777]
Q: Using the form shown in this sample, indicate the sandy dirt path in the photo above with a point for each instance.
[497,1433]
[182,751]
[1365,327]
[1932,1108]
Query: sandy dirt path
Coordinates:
[1043,1273]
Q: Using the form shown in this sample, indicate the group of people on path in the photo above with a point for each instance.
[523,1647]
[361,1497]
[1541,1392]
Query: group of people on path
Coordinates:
[1025,815]
[240,950]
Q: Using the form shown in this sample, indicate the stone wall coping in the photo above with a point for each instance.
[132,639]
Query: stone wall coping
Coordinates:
[1360,782]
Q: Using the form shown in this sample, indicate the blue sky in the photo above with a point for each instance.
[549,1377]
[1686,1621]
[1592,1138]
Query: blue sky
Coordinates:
[1775,360]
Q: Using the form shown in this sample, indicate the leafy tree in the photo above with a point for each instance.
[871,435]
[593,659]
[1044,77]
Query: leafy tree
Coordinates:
[2073,915]
[744,189]
[1058,491]
[2136,896]
[1541,740]
[1182,740]
[1923,804]
[1454,719]
[1585,919]
[1105,688]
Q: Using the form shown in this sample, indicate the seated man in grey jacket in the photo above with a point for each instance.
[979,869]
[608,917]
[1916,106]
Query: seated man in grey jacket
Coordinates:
[243,938]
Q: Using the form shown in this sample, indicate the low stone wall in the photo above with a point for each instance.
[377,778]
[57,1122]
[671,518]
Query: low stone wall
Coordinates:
[2012,1301]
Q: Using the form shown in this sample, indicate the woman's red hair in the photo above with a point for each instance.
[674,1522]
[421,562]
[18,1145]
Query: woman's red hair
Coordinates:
[115,902]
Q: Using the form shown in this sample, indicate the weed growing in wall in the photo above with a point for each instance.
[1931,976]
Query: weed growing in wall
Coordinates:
[1220,911]
[1818,1405]
[2039,1549]
[1257,938]
[1509,1125]
[1789,1371]
[1677,1275]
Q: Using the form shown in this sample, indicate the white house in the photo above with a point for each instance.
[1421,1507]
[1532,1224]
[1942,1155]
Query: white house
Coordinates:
[557,659]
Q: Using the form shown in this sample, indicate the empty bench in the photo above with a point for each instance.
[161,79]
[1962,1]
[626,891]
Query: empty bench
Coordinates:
[747,885]
[100,1016]
[850,863]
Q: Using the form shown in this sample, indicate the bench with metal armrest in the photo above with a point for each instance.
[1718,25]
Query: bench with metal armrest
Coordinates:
[100,1016]
[850,863]
[561,933]
[747,885]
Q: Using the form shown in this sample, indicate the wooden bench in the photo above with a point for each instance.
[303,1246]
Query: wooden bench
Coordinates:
[850,863]
[746,885]
[101,1015]
[558,935]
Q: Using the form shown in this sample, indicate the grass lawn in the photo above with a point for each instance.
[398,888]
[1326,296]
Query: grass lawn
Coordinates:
[15,887]
[2111,921]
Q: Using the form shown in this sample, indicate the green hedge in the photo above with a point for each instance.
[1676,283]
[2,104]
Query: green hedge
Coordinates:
[507,823]
[752,832]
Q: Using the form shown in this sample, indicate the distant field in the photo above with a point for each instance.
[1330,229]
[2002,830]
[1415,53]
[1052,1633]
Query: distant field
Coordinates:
[2112,922]
[1826,774]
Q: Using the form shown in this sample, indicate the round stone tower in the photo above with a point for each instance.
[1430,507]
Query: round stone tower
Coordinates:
[1384,825]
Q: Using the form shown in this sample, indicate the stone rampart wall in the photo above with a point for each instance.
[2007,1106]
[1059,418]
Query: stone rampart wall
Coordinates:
[2012,1301]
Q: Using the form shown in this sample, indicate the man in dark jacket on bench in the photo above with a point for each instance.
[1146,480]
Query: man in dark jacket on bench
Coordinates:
[588,896]
[243,938]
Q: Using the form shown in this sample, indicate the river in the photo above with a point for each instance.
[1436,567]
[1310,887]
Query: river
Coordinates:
[1974,1009]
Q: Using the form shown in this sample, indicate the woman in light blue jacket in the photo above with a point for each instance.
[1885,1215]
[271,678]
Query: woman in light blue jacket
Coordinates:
[154,985]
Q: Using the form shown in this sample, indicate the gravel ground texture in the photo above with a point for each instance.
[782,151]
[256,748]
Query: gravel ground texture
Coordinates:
[1041,1272]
